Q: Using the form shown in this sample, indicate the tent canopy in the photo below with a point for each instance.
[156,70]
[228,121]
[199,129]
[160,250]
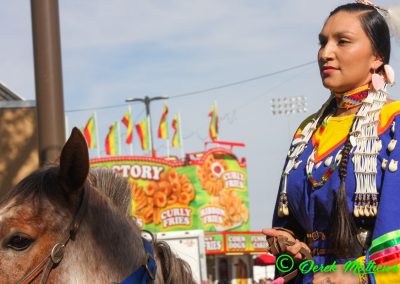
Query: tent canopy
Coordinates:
[264,259]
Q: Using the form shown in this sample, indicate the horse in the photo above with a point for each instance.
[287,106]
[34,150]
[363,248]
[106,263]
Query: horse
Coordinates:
[59,225]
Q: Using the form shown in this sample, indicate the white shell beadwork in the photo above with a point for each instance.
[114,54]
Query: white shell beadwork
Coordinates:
[328,161]
[297,164]
[393,166]
[384,164]
[379,145]
[366,147]
[392,145]
[356,211]
[353,141]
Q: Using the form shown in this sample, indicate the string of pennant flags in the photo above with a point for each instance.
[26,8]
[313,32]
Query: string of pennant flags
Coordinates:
[113,139]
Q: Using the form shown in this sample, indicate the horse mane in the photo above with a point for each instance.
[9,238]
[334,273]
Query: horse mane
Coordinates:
[113,186]
[172,268]
[36,186]
[41,184]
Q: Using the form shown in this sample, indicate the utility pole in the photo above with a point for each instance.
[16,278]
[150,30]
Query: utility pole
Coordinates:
[48,79]
[147,100]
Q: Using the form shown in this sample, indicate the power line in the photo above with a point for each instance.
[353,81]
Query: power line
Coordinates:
[231,116]
[97,108]
[208,89]
[100,108]
[242,81]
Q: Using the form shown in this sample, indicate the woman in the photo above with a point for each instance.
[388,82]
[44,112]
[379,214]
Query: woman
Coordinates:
[340,184]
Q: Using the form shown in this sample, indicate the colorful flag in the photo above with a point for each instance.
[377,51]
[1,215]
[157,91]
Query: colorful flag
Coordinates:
[90,133]
[176,139]
[213,130]
[163,127]
[112,140]
[143,132]
[127,121]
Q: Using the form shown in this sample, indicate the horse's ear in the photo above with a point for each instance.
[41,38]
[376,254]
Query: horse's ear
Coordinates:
[74,161]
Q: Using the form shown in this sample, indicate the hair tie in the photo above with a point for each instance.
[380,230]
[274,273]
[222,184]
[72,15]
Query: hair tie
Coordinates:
[368,3]
[391,15]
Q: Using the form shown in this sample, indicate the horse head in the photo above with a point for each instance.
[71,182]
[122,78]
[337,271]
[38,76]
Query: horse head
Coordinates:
[33,215]
[59,226]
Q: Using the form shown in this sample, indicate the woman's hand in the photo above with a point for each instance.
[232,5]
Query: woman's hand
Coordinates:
[293,250]
[336,277]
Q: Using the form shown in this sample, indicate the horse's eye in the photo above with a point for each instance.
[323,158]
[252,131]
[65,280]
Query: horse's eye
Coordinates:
[19,242]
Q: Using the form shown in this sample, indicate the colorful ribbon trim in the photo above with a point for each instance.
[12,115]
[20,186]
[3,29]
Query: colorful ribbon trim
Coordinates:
[385,252]
[386,237]
[389,259]
[386,248]
[385,245]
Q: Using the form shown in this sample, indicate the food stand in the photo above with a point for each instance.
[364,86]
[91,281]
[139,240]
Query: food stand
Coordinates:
[206,190]
[230,255]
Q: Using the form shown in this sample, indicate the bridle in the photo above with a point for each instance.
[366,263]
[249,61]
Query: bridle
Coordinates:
[57,252]
[144,274]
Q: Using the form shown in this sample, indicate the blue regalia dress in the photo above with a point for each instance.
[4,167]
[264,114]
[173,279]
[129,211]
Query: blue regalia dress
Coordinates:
[311,209]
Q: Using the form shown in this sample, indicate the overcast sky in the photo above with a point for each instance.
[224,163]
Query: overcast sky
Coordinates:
[113,50]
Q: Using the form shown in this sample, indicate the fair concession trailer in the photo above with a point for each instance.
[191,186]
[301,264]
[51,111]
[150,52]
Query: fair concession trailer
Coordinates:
[189,245]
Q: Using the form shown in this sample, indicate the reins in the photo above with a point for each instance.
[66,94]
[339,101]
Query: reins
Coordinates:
[57,252]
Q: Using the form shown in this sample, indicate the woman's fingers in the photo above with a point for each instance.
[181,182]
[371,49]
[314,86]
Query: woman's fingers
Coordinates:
[276,233]
[295,250]
[271,232]
[305,247]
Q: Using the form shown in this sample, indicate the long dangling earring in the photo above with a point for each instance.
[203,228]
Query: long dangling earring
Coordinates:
[377,82]
[389,74]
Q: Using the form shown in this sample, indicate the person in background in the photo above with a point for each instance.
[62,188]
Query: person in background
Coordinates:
[339,196]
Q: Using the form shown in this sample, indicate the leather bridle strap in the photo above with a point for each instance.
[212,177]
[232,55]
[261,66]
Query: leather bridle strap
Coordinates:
[57,252]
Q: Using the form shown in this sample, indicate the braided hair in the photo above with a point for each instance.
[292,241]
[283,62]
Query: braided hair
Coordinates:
[344,229]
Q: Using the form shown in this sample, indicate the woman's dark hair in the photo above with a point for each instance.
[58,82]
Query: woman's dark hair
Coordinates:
[344,238]
[374,25]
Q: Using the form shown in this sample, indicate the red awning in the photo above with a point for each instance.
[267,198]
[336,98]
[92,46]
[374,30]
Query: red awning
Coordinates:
[264,259]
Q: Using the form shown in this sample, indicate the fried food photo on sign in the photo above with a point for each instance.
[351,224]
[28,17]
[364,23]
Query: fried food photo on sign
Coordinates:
[172,189]
[236,211]
[210,174]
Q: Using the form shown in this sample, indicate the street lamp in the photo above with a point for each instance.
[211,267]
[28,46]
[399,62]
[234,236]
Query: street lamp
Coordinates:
[288,105]
[147,100]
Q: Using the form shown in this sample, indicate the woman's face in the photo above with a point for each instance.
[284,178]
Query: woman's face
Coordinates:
[346,59]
